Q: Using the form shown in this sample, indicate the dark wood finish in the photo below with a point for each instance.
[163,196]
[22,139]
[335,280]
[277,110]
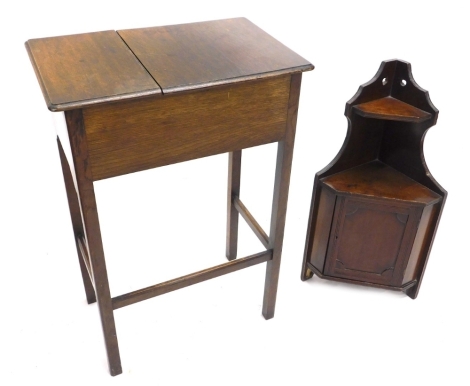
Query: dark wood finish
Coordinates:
[183,127]
[419,246]
[187,280]
[230,86]
[375,207]
[317,250]
[380,180]
[85,258]
[199,55]
[391,109]
[404,288]
[92,234]
[285,151]
[251,221]
[77,225]
[79,70]
[371,240]
[233,190]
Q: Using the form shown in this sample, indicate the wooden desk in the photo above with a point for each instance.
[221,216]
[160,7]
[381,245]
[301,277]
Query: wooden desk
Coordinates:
[143,98]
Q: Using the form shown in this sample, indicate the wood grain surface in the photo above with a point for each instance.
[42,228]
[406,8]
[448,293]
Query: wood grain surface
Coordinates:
[418,253]
[147,133]
[391,109]
[319,245]
[187,280]
[285,152]
[79,70]
[380,180]
[233,191]
[371,241]
[197,55]
[92,235]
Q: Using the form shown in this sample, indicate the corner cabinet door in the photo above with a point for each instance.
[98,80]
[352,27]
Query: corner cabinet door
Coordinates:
[371,240]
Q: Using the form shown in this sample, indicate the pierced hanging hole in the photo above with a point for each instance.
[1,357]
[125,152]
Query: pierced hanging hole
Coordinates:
[384,81]
[403,83]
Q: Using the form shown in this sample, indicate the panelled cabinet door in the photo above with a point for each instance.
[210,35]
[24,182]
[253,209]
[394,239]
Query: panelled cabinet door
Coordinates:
[371,241]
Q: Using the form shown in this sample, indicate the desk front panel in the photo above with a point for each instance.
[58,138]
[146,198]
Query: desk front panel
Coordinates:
[141,134]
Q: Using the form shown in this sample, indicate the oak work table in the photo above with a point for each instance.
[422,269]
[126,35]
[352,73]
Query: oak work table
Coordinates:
[143,98]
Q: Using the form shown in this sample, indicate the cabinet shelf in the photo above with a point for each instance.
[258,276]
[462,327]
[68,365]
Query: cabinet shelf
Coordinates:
[376,179]
[391,109]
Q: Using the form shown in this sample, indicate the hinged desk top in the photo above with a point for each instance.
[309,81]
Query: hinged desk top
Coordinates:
[81,70]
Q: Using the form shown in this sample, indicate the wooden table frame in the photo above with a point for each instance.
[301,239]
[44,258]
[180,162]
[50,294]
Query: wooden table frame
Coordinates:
[85,222]
[88,153]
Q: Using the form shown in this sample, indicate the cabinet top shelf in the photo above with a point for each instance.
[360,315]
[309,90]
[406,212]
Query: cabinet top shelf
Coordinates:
[379,180]
[391,109]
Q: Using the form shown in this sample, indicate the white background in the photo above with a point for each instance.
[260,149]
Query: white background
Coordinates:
[167,222]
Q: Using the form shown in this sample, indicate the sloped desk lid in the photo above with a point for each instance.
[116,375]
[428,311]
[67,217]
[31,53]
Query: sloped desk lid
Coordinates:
[79,70]
[197,55]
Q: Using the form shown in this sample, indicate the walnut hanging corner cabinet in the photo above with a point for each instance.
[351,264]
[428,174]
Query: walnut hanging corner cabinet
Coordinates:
[375,208]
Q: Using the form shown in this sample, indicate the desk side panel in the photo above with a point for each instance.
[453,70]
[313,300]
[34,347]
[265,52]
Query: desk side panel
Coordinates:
[137,135]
